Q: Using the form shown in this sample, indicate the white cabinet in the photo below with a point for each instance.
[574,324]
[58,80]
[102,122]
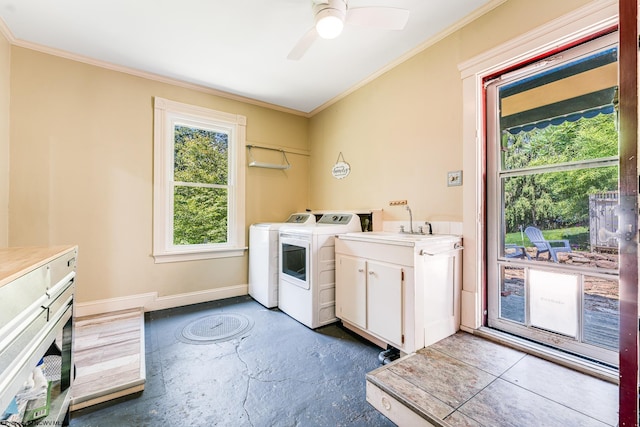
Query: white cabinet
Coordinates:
[36,304]
[373,299]
[375,296]
[404,293]
[384,300]
[442,287]
[351,301]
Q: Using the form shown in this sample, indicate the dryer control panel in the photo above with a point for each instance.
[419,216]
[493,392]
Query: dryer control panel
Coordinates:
[336,218]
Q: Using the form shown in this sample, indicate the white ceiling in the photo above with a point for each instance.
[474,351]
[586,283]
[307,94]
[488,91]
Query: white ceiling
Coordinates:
[235,46]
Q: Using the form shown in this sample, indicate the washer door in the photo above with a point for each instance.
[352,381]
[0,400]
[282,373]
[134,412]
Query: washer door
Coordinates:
[295,267]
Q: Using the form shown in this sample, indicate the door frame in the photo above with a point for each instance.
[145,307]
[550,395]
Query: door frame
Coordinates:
[580,23]
[628,129]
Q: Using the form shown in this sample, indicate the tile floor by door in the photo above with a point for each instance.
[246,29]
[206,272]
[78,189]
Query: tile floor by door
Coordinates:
[465,380]
[280,373]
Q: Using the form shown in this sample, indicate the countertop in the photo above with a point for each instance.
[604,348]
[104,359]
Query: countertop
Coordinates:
[15,262]
[400,239]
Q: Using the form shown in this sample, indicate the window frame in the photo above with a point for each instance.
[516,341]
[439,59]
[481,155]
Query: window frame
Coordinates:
[166,113]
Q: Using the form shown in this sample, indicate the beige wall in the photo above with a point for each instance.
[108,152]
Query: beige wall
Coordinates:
[5,97]
[402,132]
[82,171]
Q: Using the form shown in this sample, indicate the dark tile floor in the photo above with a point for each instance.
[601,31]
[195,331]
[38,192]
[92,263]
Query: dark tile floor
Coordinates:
[279,374]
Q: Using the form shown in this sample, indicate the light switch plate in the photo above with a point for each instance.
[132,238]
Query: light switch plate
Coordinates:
[454,178]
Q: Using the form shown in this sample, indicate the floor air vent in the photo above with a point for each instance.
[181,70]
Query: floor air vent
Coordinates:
[215,328]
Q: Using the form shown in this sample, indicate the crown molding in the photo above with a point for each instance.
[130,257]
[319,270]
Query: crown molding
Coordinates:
[6,32]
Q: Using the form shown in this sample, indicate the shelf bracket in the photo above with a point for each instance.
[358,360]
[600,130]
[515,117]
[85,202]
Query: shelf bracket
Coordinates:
[282,166]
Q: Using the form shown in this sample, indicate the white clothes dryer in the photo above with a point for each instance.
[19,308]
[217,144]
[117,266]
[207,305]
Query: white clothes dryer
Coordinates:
[307,268]
[263,257]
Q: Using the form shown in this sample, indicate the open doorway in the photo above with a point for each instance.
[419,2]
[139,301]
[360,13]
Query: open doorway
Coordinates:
[552,196]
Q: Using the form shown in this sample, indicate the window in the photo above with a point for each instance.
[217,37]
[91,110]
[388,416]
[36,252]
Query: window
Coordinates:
[198,183]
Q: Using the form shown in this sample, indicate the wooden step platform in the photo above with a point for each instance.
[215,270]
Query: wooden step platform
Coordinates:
[108,357]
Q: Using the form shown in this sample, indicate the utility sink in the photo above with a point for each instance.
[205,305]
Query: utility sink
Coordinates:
[394,237]
[398,289]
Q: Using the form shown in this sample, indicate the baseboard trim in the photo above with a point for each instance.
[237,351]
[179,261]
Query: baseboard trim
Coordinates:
[170,301]
[91,308]
[152,302]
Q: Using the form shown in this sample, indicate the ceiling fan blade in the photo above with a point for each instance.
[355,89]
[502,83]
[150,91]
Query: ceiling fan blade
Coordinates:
[303,44]
[385,18]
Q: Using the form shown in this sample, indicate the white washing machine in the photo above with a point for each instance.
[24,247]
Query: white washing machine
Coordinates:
[307,268]
[263,257]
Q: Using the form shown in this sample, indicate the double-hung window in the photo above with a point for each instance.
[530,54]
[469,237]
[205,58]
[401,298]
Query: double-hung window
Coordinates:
[198,182]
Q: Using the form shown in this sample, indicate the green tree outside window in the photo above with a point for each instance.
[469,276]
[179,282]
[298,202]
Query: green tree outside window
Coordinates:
[201,175]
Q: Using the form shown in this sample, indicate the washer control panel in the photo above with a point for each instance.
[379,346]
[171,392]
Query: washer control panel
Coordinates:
[301,218]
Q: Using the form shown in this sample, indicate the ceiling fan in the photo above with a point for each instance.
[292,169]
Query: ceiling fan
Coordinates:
[330,16]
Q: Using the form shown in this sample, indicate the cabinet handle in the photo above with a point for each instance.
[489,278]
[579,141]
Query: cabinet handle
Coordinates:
[371,273]
[361,270]
[456,248]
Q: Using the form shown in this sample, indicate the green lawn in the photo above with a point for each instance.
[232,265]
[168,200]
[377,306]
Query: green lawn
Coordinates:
[578,237]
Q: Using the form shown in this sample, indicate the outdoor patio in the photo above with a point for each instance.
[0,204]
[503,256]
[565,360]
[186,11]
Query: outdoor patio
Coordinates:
[600,303]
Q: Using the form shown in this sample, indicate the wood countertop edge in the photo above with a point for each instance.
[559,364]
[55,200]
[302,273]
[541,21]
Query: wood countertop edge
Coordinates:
[18,261]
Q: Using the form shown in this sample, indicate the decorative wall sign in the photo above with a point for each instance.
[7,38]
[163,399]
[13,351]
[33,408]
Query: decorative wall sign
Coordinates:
[341,169]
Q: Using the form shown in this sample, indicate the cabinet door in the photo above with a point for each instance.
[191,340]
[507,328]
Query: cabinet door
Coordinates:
[351,290]
[384,301]
[441,297]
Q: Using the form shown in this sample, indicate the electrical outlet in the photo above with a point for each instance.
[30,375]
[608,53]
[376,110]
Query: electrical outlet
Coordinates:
[397,202]
[454,178]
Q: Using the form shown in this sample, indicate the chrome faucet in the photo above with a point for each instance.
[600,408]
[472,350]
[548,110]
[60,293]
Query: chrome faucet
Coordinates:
[421,229]
[410,220]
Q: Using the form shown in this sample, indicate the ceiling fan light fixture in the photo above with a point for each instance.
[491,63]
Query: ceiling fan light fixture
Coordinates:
[329,23]
[330,17]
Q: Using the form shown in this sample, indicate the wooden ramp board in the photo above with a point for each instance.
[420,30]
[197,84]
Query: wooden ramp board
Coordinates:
[108,357]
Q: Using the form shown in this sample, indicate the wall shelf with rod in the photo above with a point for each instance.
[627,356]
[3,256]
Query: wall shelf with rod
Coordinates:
[282,165]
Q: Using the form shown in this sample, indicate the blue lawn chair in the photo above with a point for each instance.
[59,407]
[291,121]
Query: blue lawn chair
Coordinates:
[543,245]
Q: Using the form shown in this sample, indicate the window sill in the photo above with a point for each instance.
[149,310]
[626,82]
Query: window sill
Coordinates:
[194,255]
